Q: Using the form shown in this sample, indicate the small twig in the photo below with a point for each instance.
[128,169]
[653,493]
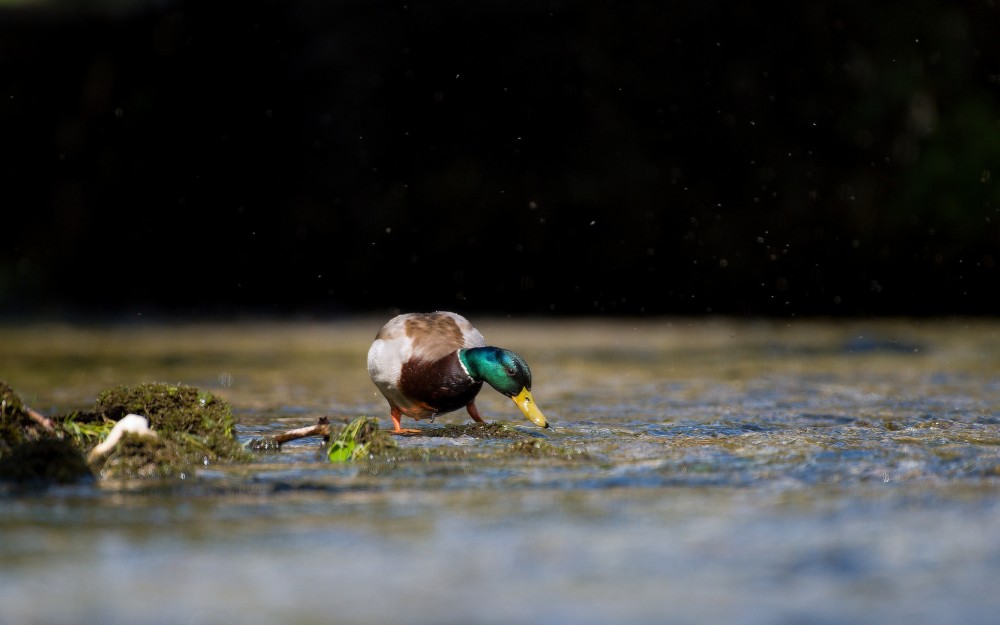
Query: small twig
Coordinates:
[322,428]
[273,443]
[40,419]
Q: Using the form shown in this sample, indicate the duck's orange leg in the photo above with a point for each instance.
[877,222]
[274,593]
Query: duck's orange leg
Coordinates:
[474,413]
[401,431]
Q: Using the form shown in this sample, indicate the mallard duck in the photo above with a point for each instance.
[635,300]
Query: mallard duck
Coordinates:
[427,364]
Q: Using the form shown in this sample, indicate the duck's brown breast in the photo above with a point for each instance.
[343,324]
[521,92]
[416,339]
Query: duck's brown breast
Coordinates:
[442,384]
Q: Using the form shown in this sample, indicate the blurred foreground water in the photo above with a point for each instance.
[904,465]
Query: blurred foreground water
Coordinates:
[716,471]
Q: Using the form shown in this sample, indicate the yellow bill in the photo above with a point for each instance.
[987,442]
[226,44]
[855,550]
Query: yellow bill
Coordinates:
[527,405]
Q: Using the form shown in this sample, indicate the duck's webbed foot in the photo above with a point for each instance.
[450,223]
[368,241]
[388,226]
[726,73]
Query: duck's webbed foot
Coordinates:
[397,430]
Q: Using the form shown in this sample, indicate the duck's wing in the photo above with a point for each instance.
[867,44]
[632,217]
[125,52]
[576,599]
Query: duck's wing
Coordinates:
[432,336]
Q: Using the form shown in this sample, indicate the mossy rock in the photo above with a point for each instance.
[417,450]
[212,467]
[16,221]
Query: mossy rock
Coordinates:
[30,454]
[16,426]
[44,461]
[169,408]
[193,427]
[143,456]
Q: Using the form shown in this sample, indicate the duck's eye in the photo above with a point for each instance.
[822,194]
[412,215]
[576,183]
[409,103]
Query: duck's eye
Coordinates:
[510,370]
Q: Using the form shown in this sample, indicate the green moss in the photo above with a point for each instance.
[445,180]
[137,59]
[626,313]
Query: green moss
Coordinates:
[193,428]
[170,409]
[181,413]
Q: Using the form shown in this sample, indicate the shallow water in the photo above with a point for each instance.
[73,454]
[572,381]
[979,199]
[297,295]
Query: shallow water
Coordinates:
[715,471]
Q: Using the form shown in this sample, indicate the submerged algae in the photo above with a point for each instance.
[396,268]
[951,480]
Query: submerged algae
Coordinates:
[443,446]
[542,449]
[492,431]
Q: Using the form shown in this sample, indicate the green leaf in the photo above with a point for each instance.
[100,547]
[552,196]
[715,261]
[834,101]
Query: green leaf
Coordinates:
[341,450]
[353,441]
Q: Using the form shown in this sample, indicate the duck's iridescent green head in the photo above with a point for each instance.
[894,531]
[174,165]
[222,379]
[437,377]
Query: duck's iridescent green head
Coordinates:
[500,368]
[507,373]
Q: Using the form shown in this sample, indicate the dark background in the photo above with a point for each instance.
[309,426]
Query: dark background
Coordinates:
[520,157]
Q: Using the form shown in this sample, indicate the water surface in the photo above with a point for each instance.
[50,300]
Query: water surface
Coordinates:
[714,471]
